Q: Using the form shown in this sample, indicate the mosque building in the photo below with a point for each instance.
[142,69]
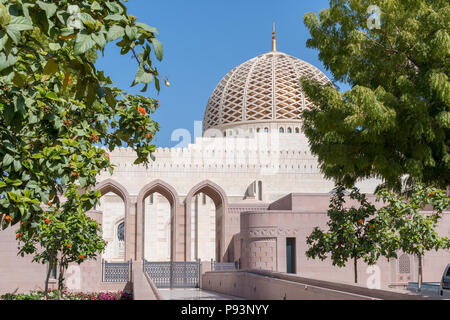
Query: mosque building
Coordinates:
[242,191]
[248,191]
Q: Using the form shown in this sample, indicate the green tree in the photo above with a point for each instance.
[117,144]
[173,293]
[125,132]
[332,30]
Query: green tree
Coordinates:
[57,109]
[354,232]
[395,119]
[413,231]
[62,235]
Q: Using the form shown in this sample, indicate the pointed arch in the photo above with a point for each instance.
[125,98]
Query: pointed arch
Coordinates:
[162,188]
[211,189]
[110,185]
[167,191]
[218,195]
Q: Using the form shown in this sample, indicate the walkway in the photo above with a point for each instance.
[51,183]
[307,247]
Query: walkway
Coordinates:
[193,294]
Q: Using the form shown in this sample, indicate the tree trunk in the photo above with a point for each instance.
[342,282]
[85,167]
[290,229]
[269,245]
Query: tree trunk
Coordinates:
[419,276]
[50,268]
[60,280]
[355,266]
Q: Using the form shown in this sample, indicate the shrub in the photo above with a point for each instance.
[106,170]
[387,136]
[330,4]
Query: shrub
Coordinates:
[68,295]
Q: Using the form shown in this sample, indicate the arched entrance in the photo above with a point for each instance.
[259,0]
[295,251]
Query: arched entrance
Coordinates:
[169,193]
[217,195]
[117,219]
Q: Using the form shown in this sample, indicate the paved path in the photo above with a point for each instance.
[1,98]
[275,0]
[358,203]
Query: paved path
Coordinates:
[193,294]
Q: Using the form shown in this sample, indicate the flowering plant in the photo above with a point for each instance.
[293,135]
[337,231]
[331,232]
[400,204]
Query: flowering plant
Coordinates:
[68,295]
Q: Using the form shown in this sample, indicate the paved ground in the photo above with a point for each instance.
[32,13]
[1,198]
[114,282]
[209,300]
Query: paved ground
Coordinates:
[193,294]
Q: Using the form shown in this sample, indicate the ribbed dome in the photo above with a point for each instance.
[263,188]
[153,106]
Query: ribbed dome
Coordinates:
[263,88]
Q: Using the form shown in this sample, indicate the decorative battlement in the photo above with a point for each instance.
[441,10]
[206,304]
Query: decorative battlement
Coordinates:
[188,159]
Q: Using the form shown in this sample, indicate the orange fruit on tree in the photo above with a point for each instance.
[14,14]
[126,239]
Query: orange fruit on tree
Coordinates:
[141,110]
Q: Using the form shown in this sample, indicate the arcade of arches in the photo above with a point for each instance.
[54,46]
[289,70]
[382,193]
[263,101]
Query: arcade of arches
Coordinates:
[161,227]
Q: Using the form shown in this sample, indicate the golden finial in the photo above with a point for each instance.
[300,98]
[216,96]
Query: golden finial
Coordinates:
[274,39]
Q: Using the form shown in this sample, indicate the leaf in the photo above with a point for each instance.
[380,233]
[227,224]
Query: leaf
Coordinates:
[19,105]
[157,85]
[14,182]
[14,34]
[7,160]
[114,33]
[49,8]
[3,39]
[99,39]
[67,33]
[17,165]
[51,67]
[88,20]
[115,17]
[83,43]
[52,95]
[95,6]
[92,91]
[147,28]
[54,46]
[19,79]
[83,182]
[143,77]
[157,45]
[7,61]
[114,7]
[130,32]
[16,25]
[26,216]
[111,100]
[4,15]
[20,23]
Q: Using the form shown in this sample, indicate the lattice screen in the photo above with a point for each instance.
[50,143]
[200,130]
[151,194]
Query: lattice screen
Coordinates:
[263,88]
[404,264]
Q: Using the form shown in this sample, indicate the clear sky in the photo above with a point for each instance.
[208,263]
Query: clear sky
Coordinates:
[203,40]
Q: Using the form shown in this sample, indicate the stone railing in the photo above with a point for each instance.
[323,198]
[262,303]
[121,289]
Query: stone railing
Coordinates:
[143,286]
[267,285]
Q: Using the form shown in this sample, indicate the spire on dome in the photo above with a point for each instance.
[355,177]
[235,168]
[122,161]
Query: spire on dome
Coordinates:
[274,39]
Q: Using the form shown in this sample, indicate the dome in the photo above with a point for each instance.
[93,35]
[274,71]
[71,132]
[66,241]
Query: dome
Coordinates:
[263,89]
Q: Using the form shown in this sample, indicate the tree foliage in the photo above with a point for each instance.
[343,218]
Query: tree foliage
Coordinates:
[414,220]
[354,232]
[57,109]
[395,119]
[66,235]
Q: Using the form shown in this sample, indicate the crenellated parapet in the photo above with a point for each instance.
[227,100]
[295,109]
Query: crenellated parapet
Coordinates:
[226,155]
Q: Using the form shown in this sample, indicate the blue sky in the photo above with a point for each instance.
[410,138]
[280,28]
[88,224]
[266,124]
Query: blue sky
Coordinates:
[203,40]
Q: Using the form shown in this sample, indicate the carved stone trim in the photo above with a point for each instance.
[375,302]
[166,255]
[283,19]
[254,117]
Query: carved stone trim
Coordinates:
[271,232]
